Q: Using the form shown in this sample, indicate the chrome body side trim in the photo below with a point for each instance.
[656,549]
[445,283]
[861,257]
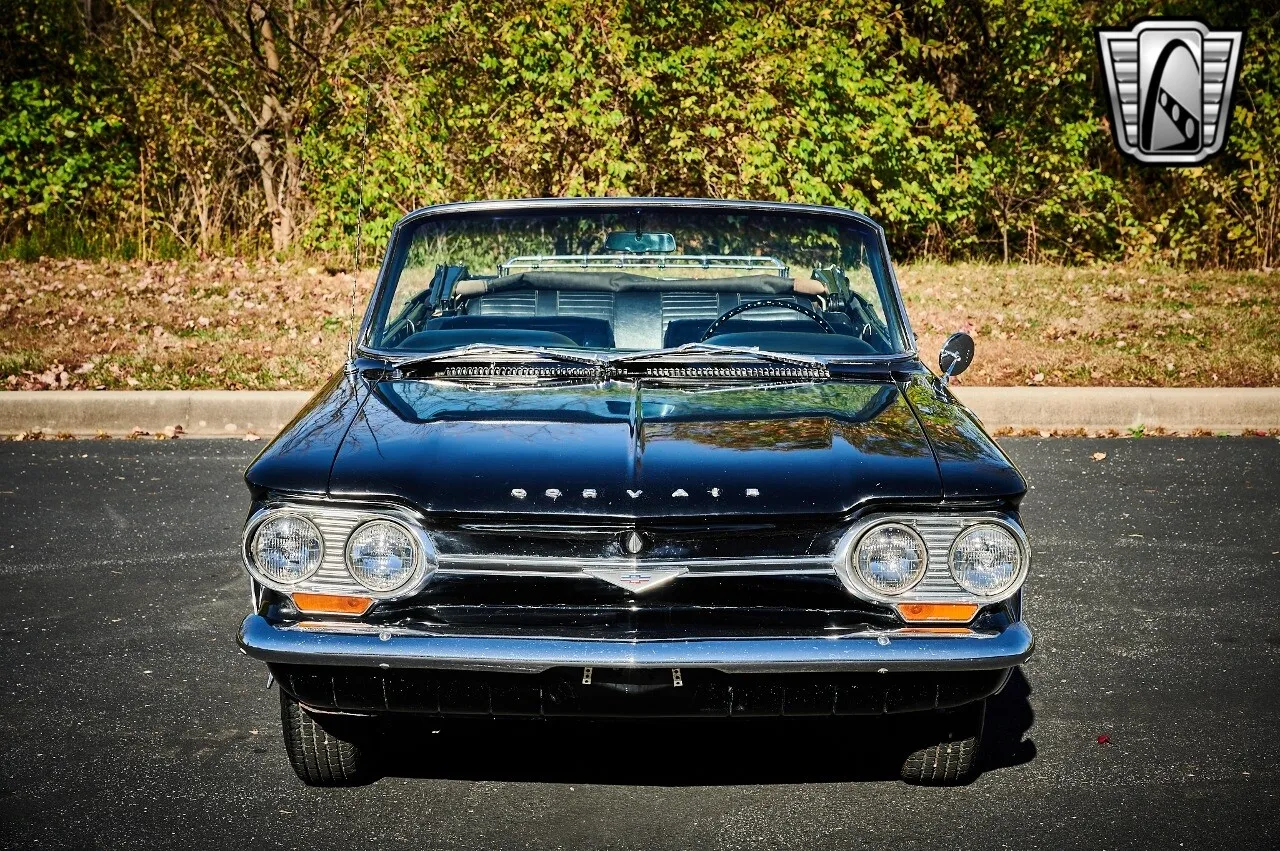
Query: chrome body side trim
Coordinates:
[873,650]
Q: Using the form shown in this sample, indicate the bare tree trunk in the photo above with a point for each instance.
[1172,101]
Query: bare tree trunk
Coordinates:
[279,52]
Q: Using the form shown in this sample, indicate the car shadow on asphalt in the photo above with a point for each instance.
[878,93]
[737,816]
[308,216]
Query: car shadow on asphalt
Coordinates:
[1009,718]
[694,752]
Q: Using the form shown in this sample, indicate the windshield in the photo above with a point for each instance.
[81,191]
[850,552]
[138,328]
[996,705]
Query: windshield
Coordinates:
[636,279]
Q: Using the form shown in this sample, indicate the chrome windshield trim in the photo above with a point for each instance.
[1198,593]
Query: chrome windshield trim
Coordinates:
[871,650]
[569,205]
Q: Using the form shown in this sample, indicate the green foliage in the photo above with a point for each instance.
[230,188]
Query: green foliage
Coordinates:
[975,129]
[805,102]
[64,148]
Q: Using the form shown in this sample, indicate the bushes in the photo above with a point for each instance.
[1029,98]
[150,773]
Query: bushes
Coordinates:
[972,130]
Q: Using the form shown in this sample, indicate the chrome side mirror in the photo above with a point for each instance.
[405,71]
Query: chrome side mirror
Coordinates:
[956,355]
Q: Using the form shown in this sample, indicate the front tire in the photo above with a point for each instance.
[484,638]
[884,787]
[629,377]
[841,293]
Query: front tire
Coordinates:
[952,744]
[329,751]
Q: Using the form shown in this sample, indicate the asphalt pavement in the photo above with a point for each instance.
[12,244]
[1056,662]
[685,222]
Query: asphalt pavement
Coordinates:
[1149,718]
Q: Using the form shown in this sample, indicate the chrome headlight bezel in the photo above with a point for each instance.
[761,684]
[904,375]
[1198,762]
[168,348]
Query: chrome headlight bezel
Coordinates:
[940,531]
[337,524]
[1024,551]
[251,548]
[415,548]
[855,572]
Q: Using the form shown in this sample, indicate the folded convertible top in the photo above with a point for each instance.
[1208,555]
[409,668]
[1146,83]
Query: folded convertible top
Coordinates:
[621,282]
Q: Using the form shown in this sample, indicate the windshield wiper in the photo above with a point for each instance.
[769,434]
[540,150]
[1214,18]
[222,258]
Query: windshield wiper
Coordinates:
[701,352]
[494,354]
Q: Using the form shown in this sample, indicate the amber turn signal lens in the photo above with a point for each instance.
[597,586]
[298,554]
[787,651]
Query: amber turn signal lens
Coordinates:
[937,612]
[332,604]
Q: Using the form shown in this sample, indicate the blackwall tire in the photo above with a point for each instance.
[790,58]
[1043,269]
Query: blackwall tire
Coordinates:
[327,750]
[950,754]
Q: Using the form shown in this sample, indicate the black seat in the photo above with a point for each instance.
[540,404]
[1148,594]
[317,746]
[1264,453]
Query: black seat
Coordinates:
[585,331]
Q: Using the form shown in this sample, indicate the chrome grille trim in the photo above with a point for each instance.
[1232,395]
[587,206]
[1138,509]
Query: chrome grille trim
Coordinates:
[485,565]
[332,577]
[939,532]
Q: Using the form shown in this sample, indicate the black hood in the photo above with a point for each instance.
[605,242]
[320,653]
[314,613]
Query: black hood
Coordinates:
[636,449]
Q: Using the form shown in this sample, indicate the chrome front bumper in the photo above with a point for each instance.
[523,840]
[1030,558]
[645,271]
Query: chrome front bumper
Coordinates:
[363,645]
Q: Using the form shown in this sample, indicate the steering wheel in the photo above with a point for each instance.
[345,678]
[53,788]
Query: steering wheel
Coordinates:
[766,302]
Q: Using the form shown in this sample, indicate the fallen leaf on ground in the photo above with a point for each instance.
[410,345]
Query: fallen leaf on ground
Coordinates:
[251,436]
[1098,456]
[1104,739]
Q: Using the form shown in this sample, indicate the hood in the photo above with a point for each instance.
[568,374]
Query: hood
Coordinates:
[636,449]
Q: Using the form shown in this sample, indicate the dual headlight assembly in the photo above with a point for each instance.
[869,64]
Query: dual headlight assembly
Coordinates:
[981,561]
[381,555]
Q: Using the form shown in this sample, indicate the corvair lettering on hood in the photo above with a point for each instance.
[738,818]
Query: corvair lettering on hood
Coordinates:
[593,493]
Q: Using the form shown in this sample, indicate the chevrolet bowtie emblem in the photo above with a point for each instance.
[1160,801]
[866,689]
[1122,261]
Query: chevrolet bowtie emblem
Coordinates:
[636,579]
[1170,83]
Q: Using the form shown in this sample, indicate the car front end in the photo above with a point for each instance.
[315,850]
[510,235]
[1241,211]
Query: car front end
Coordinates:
[483,526]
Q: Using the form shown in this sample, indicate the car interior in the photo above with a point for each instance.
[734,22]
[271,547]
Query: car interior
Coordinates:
[630,313]
[595,302]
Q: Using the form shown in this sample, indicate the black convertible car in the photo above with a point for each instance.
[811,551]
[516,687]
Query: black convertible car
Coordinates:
[635,457]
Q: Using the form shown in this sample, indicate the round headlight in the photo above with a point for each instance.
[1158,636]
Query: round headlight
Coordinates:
[287,548]
[382,555]
[986,560]
[891,559]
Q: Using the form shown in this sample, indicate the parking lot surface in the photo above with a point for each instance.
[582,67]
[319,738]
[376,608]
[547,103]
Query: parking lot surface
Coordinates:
[1149,718]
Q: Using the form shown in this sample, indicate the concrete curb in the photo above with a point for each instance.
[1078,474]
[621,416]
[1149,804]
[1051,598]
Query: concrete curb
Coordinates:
[1231,409]
[207,413]
[230,413]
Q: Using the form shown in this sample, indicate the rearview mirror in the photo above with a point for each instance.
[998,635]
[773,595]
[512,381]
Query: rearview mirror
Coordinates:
[956,355]
[640,243]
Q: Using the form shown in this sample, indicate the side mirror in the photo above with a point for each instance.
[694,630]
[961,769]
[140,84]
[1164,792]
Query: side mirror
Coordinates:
[956,355]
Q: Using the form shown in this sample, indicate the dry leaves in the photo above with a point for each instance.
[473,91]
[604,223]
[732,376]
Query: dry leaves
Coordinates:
[223,323]
[1098,456]
[231,323]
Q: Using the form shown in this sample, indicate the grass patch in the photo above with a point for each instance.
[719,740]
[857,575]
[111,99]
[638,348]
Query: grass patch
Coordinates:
[1106,325]
[232,324]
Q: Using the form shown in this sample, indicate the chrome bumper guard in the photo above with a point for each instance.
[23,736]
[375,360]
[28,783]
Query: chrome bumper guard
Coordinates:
[363,645]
